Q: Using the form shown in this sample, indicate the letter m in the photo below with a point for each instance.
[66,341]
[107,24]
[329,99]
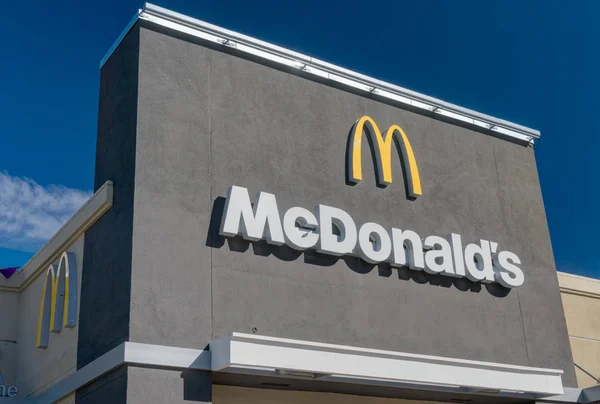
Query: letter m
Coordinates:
[253,224]
[58,307]
[382,155]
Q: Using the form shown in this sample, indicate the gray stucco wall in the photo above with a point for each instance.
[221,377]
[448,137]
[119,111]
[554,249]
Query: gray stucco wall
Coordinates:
[157,386]
[171,272]
[208,119]
[130,384]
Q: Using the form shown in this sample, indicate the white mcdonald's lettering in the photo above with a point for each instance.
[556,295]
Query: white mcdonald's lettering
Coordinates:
[301,229]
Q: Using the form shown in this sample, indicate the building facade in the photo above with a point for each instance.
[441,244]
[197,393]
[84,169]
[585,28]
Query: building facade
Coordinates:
[267,227]
[581,301]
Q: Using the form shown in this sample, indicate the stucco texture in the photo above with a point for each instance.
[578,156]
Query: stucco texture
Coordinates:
[157,386]
[208,119]
[104,318]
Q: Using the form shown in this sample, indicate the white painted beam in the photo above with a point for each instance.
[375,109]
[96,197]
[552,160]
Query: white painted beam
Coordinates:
[240,352]
[243,353]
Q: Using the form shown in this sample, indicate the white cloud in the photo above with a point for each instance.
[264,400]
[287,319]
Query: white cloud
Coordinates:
[30,214]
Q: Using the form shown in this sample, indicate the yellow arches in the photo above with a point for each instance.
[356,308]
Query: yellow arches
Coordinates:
[382,154]
[58,306]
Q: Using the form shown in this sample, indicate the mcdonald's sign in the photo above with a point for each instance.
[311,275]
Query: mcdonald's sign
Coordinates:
[58,307]
[382,155]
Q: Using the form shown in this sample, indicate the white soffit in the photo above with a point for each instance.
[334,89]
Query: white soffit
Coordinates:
[322,70]
[246,353]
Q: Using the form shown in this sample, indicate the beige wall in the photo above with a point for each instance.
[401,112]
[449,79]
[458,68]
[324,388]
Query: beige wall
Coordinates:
[244,395]
[9,308]
[38,368]
[581,302]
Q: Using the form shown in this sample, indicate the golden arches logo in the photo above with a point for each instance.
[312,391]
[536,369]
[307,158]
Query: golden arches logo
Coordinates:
[382,155]
[58,307]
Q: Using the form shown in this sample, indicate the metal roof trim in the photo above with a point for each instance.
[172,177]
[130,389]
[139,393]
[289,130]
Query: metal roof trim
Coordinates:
[323,70]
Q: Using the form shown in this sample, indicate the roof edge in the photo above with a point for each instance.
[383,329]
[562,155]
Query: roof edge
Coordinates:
[323,70]
[98,204]
[579,285]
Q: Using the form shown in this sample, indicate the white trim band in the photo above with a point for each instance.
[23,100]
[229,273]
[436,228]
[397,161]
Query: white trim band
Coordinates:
[322,70]
[253,354]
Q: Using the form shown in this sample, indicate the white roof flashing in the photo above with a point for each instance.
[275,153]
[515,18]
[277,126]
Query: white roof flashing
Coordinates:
[323,70]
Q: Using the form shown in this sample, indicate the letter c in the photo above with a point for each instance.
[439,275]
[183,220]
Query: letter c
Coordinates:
[303,237]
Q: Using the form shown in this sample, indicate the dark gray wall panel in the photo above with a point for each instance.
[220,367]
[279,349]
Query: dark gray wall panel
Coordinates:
[171,279]
[158,386]
[105,290]
[109,388]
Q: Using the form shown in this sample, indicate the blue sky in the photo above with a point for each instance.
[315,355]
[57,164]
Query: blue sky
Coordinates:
[535,63]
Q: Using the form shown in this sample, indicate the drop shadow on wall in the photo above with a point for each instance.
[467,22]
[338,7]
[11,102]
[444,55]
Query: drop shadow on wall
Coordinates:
[311,257]
[197,385]
[349,157]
